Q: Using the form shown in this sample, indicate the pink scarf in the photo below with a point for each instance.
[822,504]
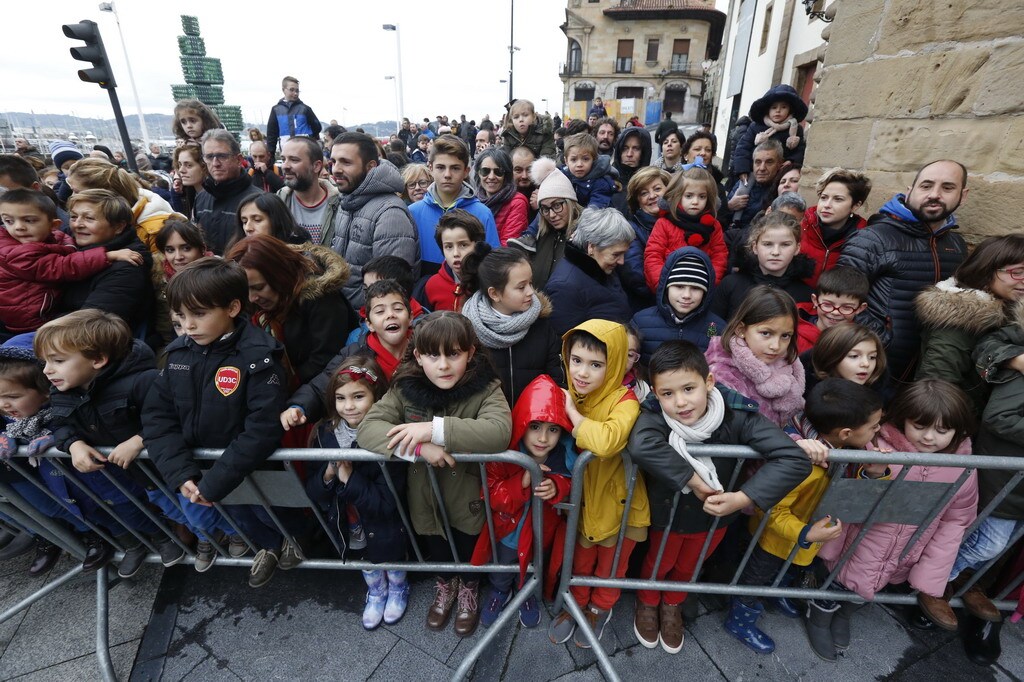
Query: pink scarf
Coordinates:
[780,384]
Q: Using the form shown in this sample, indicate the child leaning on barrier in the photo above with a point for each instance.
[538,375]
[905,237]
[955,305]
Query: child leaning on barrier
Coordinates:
[99,379]
[542,430]
[929,416]
[688,408]
[602,412]
[356,494]
[445,397]
[223,388]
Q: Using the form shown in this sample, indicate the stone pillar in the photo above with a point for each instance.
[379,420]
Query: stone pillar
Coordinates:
[909,81]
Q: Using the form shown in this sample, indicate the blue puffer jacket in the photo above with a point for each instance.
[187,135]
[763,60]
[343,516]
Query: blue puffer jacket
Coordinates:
[428,210]
[632,271]
[657,324]
[901,256]
[596,188]
[288,119]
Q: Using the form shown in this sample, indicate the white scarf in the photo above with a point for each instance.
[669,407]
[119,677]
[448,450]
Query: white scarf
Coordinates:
[698,433]
[345,434]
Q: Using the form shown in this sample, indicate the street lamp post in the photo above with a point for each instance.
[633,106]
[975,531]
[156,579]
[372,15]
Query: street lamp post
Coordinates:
[400,83]
[109,7]
[512,49]
[398,107]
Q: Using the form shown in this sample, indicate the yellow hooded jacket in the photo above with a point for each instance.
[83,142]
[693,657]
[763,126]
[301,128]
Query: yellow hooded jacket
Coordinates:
[151,211]
[610,411]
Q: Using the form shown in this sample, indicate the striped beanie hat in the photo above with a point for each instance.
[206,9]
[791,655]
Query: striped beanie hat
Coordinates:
[690,270]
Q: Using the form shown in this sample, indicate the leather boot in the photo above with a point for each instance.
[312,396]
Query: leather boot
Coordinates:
[441,609]
[467,615]
[981,640]
[47,555]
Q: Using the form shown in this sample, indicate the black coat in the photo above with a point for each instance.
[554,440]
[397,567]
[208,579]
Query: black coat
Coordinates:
[121,288]
[312,395]
[228,395]
[540,352]
[580,290]
[110,411]
[216,209]
[367,490]
[666,472]
[735,287]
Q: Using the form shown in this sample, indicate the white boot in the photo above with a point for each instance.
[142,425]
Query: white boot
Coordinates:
[376,597]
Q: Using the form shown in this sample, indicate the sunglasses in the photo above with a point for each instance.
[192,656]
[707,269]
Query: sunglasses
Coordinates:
[484,172]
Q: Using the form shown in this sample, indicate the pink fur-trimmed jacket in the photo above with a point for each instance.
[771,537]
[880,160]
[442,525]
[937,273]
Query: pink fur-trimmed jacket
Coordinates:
[876,562]
[778,388]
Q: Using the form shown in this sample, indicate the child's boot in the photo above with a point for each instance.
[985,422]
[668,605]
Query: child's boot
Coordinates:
[841,624]
[467,615]
[398,597]
[742,624]
[784,605]
[981,640]
[376,598]
[441,608]
[97,552]
[46,556]
[819,629]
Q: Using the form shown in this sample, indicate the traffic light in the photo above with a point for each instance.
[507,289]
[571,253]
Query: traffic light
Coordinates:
[93,52]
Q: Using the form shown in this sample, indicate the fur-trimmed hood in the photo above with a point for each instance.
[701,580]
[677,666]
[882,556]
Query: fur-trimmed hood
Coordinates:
[330,273]
[947,305]
[418,390]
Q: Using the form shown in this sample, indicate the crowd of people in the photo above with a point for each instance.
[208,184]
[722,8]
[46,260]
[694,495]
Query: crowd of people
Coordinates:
[522,285]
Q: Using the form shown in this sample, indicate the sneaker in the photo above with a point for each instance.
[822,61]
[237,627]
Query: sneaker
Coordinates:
[97,552]
[263,566]
[134,556]
[205,556]
[526,242]
[356,536]
[529,613]
[441,608]
[493,606]
[561,628]
[237,547]
[170,552]
[291,556]
[597,619]
[467,615]
[645,624]
[671,631]
[46,556]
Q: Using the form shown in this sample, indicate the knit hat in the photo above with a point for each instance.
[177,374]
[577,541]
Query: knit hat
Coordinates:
[689,270]
[20,348]
[62,152]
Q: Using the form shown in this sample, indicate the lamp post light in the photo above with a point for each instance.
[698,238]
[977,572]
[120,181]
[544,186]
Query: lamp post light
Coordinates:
[398,107]
[400,82]
[109,7]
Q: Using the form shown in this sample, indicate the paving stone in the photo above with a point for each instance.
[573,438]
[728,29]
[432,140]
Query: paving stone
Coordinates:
[405,658]
[955,667]
[85,667]
[412,628]
[534,657]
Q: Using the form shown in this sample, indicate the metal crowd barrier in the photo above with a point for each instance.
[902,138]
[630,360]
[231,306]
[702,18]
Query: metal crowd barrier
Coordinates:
[869,501]
[270,489]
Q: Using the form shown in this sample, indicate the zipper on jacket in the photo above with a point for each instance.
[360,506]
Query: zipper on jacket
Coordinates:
[935,260]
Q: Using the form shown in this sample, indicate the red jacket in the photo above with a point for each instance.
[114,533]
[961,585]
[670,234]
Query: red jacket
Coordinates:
[541,400]
[513,218]
[669,234]
[31,276]
[812,243]
[807,332]
[442,292]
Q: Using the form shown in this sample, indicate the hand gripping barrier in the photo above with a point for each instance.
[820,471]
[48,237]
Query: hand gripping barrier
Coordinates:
[268,489]
[868,501]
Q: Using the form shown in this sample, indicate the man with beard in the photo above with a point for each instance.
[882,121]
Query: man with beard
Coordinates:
[483,140]
[522,159]
[607,132]
[367,219]
[226,187]
[304,193]
[907,246]
[632,152]
[262,172]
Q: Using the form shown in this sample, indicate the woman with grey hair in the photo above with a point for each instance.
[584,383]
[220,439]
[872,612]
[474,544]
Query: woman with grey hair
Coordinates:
[496,189]
[585,284]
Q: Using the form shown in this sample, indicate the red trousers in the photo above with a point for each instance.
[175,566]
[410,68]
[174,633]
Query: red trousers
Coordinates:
[677,563]
[596,562]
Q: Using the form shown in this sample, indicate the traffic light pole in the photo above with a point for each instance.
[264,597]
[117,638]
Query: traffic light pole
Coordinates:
[122,128]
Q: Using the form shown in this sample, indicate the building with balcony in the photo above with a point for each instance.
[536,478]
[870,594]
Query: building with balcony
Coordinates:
[641,56]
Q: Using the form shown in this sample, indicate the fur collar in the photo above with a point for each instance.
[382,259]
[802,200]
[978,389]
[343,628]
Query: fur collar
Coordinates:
[545,304]
[330,271]
[946,305]
[419,391]
[587,265]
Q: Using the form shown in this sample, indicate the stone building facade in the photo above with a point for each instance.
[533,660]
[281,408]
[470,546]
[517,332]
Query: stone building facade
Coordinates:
[905,82]
[648,50]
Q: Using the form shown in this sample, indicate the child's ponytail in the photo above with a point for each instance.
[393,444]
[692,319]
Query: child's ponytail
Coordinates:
[471,264]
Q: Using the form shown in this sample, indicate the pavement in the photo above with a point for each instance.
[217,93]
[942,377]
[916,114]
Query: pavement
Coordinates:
[175,624]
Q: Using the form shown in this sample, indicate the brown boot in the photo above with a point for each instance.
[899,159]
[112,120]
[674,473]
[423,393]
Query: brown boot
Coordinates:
[980,606]
[467,614]
[671,627]
[441,609]
[645,624]
[938,611]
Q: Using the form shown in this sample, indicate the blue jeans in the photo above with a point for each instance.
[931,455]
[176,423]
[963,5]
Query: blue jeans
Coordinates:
[45,505]
[986,542]
[261,529]
[201,520]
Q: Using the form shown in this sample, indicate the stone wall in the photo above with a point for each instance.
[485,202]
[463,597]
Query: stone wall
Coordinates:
[908,81]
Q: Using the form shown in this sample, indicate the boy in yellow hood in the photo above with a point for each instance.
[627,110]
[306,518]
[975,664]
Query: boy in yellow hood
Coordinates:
[602,412]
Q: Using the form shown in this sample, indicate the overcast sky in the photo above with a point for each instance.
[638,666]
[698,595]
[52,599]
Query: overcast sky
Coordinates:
[453,55]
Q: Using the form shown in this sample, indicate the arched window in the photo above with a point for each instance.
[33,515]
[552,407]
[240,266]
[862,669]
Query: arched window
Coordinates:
[575,63]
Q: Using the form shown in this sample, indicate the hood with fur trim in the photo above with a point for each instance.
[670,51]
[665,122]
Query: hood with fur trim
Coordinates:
[418,390]
[948,306]
[330,271]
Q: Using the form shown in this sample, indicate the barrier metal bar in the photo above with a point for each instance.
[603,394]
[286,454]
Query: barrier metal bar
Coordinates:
[173,497]
[664,535]
[995,502]
[487,511]
[143,507]
[714,524]
[1014,584]
[285,533]
[833,471]
[605,663]
[436,490]
[633,470]
[40,593]
[102,627]
[1017,535]
[571,528]
[751,545]
[84,489]
[402,514]
[935,511]
[316,511]
[26,515]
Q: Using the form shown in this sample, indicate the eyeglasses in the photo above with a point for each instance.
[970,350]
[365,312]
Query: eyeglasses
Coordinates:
[484,172]
[219,156]
[1016,274]
[421,184]
[554,208]
[829,307]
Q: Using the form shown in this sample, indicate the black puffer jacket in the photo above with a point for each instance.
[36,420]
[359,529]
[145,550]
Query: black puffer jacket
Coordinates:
[900,256]
[227,395]
[110,411]
[735,286]
[216,209]
[666,472]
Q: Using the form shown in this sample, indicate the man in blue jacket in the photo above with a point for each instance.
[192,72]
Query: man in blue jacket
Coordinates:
[291,116]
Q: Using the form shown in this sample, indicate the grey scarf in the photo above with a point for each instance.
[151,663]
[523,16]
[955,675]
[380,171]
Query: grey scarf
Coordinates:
[494,329]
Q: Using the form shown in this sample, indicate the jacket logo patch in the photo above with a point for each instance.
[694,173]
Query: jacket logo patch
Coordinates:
[227,379]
